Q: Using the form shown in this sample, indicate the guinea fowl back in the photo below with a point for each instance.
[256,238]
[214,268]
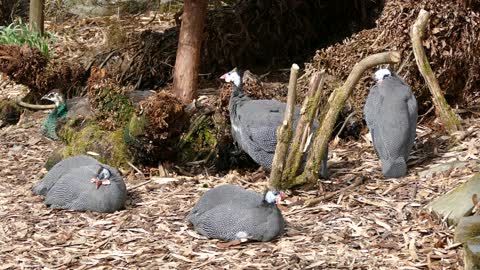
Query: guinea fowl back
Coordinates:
[222,194]
[233,220]
[75,191]
[255,122]
[60,169]
[391,115]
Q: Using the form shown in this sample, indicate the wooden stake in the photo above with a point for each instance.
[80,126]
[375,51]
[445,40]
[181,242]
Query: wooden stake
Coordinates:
[444,111]
[284,132]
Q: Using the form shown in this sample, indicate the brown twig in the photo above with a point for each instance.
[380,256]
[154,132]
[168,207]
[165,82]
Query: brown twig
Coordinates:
[307,114]
[313,202]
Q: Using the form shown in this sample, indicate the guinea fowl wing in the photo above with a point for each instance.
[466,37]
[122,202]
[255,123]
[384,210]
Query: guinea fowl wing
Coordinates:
[71,186]
[220,195]
[232,221]
[60,169]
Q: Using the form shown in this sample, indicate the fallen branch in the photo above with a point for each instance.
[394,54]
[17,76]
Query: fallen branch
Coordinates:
[330,113]
[284,132]
[22,103]
[444,111]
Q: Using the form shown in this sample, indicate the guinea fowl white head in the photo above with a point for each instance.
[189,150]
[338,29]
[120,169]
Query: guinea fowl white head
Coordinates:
[232,76]
[382,74]
[102,178]
[274,196]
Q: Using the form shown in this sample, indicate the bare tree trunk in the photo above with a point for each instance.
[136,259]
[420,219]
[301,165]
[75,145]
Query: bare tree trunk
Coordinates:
[444,111]
[36,15]
[187,63]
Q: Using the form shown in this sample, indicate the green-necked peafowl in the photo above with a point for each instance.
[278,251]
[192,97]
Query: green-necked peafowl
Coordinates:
[49,127]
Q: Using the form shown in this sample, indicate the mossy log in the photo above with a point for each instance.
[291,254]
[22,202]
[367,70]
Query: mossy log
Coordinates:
[285,132]
[307,114]
[109,145]
[330,113]
[457,203]
[444,111]
[467,232]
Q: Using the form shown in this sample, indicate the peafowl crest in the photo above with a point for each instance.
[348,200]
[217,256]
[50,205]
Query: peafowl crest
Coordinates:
[49,127]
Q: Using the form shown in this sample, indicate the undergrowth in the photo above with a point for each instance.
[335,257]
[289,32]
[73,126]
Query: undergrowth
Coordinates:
[18,33]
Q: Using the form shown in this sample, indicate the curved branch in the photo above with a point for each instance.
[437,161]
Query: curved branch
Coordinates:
[444,111]
[22,103]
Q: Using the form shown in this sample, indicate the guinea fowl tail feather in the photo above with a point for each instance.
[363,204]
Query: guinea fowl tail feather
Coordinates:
[394,168]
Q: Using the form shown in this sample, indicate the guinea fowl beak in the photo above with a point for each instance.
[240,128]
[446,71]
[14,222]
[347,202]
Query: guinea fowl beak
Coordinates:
[225,77]
[280,197]
[99,182]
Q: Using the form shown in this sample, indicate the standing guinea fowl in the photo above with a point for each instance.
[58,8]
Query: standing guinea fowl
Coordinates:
[391,116]
[255,122]
[82,183]
[233,213]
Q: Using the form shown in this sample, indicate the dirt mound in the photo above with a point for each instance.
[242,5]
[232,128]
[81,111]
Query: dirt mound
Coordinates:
[154,129]
[113,107]
[452,46]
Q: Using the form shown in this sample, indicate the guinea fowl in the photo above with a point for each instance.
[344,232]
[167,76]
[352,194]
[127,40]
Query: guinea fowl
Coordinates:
[232,213]
[255,122]
[61,168]
[391,115]
[83,184]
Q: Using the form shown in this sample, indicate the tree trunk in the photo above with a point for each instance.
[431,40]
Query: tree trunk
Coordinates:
[444,111]
[36,16]
[187,63]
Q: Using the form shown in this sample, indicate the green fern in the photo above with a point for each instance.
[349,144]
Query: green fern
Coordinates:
[18,33]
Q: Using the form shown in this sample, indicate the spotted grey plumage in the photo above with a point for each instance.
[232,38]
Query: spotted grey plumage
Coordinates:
[83,184]
[229,213]
[255,122]
[391,115]
[61,168]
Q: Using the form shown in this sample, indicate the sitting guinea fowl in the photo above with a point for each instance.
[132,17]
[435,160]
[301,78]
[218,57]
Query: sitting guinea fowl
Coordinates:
[255,122]
[391,116]
[87,186]
[231,213]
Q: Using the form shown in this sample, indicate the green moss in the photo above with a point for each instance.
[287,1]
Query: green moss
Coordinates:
[108,144]
[137,125]
[114,108]
[199,142]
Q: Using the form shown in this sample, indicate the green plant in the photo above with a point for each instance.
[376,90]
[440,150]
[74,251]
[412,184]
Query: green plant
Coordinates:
[18,33]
